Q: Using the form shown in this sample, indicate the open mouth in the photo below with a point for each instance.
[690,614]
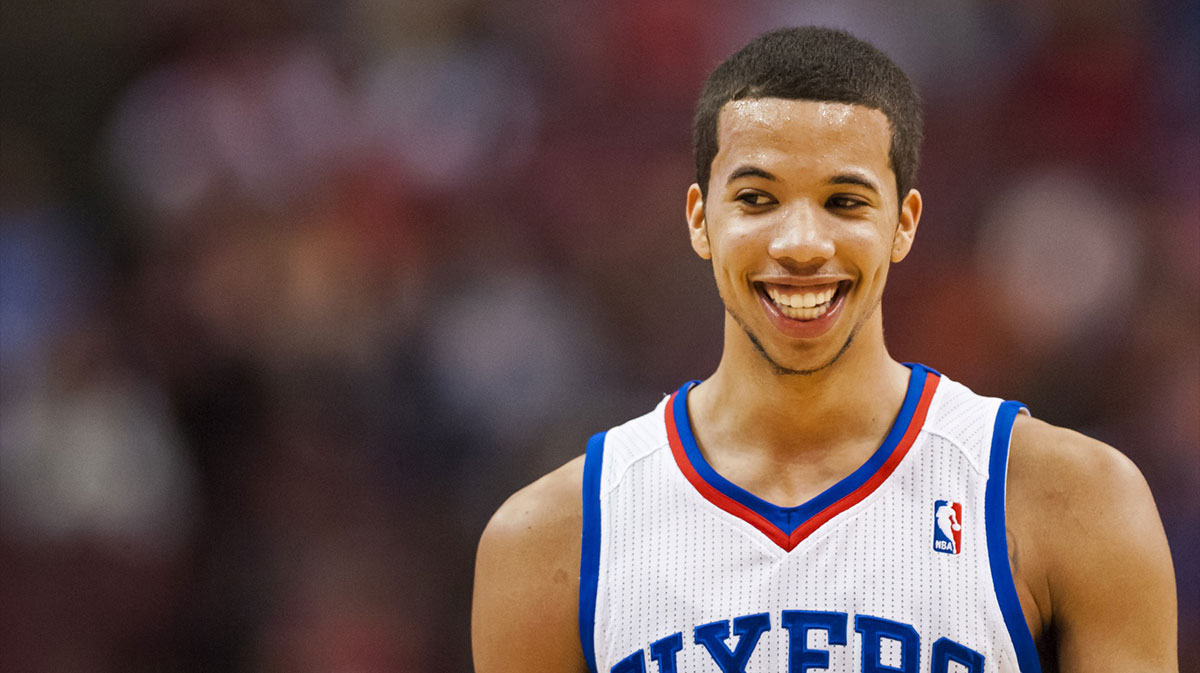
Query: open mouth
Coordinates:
[803,303]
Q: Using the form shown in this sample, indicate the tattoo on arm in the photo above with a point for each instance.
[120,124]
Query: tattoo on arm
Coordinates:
[1012,548]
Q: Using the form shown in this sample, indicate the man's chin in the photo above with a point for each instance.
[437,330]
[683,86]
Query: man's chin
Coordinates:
[780,369]
[783,368]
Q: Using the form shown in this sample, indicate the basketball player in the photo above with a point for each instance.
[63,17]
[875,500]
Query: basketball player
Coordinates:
[814,504]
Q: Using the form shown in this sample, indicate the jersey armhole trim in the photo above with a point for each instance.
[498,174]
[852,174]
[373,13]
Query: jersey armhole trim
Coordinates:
[589,563]
[997,541]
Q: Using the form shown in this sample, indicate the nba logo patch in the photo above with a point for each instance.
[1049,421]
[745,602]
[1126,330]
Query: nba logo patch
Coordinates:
[947,526]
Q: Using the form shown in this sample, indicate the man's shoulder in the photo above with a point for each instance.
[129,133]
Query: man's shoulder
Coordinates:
[527,578]
[553,505]
[1082,523]
[1063,485]
[1053,465]
[550,507]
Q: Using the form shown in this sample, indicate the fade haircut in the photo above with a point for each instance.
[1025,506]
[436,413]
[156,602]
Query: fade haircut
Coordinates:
[817,64]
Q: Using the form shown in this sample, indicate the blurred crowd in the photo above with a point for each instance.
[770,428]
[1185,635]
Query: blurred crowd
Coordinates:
[293,294]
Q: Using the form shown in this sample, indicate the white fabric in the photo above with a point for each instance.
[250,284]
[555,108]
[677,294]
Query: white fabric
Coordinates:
[670,560]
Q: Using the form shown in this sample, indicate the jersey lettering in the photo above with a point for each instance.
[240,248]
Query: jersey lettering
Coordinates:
[946,650]
[748,629]
[634,663]
[663,652]
[798,623]
[874,630]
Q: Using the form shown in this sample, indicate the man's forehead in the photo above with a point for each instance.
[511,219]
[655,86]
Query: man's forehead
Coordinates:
[777,124]
[772,108]
[772,114]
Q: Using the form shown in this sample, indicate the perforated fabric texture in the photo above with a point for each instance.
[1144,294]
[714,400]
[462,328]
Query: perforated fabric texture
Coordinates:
[672,561]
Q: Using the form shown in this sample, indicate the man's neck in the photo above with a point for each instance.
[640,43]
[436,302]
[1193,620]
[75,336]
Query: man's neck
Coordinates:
[747,404]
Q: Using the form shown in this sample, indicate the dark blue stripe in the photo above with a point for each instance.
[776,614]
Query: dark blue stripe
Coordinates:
[788,519]
[927,368]
[589,563]
[997,541]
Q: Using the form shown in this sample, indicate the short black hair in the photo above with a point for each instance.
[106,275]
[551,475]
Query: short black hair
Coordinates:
[818,64]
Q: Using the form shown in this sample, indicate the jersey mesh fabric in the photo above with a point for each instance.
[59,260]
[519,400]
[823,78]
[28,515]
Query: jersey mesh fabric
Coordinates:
[670,560]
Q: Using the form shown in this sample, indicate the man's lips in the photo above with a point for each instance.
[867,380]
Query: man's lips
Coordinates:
[802,302]
[802,310]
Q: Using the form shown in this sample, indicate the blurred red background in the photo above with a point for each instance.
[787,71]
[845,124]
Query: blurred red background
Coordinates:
[293,294]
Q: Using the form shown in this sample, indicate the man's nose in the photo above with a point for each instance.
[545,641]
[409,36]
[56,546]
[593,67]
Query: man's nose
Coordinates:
[802,236]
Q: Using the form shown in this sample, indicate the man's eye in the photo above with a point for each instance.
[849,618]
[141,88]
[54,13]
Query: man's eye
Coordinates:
[754,198]
[844,202]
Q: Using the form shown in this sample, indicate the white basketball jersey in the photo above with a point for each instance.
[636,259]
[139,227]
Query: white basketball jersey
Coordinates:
[901,566]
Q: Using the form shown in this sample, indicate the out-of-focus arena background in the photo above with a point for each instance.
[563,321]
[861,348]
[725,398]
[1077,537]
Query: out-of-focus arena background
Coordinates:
[294,293]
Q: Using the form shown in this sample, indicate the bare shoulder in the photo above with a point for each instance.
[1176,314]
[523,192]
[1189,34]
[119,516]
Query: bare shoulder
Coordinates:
[1038,444]
[1091,549]
[550,507]
[1077,490]
[525,607]
[1059,470]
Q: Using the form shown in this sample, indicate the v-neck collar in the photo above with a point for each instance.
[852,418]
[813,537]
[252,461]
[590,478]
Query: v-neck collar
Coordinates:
[788,526]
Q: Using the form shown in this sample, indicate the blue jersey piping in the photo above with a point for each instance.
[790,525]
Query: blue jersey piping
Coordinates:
[589,563]
[997,541]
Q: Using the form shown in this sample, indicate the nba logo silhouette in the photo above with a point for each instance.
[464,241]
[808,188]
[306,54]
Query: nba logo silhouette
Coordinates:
[947,526]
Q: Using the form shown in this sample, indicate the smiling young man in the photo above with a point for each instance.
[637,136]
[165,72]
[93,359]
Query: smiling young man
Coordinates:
[814,504]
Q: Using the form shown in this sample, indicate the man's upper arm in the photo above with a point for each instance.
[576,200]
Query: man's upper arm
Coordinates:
[1089,519]
[526,604]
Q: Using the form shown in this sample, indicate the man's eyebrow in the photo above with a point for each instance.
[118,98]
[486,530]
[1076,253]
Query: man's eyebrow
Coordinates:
[854,179]
[751,172]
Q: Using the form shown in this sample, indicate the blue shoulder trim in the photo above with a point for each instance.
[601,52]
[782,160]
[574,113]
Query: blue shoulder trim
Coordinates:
[997,541]
[589,565]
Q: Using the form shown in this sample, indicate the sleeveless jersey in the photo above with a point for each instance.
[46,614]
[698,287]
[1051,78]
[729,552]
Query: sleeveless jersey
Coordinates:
[900,566]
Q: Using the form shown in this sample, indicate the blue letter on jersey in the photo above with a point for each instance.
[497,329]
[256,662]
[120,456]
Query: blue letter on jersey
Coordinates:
[799,623]
[748,629]
[874,630]
[946,650]
[663,652]
[634,663]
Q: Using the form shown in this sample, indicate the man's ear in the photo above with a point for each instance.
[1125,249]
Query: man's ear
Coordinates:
[697,229]
[906,231]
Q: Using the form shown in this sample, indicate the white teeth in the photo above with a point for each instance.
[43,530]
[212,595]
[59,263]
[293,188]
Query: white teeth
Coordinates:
[803,299]
[802,305]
